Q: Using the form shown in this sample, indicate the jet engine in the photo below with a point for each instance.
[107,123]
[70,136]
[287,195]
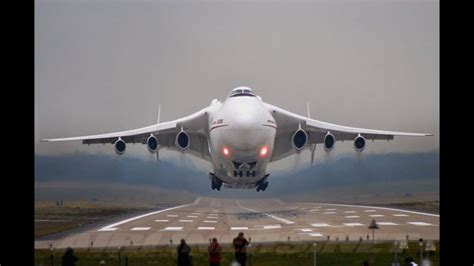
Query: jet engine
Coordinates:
[299,139]
[182,140]
[119,146]
[152,144]
[359,143]
[329,141]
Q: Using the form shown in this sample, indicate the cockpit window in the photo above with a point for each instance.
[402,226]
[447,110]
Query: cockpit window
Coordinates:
[242,92]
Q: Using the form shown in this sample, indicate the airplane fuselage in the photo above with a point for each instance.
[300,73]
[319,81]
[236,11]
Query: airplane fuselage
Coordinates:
[241,136]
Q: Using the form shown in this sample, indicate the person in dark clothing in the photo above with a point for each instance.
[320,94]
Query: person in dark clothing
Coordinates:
[68,258]
[240,248]
[214,251]
[183,254]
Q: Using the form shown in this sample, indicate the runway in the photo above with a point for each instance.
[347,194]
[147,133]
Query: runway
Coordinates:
[262,220]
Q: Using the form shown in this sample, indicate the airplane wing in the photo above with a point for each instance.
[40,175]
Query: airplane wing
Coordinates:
[195,125]
[288,123]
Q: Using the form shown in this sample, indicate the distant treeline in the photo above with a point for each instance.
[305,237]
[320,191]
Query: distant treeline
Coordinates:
[387,170]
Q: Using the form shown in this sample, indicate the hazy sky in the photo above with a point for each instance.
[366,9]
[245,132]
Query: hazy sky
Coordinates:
[103,66]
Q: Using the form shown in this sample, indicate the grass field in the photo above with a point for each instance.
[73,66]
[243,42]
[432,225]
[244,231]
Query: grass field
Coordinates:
[284,254]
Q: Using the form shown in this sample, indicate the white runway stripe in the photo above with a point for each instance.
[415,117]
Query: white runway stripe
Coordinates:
[306,230]
[140,228]
[185,221]
[315,234]
[195,213]
[353,224]
[212,217]
[330,209]
[370,211]
[271,226]
[192,216]
[354,216]
[376,215]
[110,226]
[107,229]
[162,221]
[213,214]
[239,228]
[329,212]
[386,223]
[313,210]
[350,212]
[210,222]
[419,223]
[401,215]
[206,228]
[172,228]
[267,214]
[171,215]
[320,225]
[373,207]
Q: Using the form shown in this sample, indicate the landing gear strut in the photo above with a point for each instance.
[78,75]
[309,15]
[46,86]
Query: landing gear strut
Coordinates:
[216,183]
[262,184]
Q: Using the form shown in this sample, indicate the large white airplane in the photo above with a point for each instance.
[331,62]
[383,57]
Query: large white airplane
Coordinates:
[240,137]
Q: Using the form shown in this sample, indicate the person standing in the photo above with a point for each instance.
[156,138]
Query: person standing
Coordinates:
[240,248]
[214,251]
[183,254]
[68,258]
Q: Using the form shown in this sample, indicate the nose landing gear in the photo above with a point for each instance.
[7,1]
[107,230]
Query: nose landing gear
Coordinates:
[251,173]
[238,173]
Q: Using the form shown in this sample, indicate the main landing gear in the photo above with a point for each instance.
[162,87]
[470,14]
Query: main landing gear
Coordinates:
[216,183]
[262,184]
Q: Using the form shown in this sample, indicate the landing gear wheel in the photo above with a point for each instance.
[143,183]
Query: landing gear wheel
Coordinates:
[241,174]
[235,173]
[254,173]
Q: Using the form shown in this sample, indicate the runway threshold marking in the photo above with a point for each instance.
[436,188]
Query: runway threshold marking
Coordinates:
[372,207]
[140,228]
[419,223]
[172,228]
[320,225]
[386,223]
[267,214]
[111,226]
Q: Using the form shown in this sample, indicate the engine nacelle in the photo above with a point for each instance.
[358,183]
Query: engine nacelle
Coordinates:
[152,144]
[299,139]
[329,141]
[182,140]
[359,143]
[120,146]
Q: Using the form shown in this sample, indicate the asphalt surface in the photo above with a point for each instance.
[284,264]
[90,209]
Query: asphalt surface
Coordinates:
[261,220]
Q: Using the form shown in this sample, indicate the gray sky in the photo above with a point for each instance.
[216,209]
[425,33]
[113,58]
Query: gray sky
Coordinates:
[103,66]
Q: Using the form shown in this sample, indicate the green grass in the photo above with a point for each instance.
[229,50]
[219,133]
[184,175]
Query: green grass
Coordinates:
[259,255]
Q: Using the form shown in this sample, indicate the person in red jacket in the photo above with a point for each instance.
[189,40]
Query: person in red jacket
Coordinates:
[214,251]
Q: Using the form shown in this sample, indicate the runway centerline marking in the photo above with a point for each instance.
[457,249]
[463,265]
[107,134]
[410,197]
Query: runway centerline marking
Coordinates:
[107,229]
[376,215]
[350,212]
[210,221]
[400,215]
[386,223]
[267,214]
[162,221]
[330,213]
[185,221]
[306,230]
[272,226]
[206,228]
[110,226]
[370,211]
[354,216]
[239,228]
[192,216]
[315,234]
[172,215]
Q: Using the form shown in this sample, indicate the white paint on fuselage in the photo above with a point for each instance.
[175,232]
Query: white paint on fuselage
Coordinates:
[239,125]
